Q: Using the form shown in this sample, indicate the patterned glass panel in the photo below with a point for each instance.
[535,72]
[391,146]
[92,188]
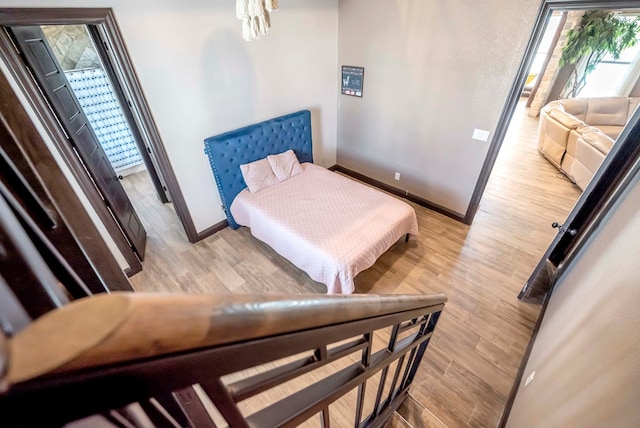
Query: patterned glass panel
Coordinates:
[93,90]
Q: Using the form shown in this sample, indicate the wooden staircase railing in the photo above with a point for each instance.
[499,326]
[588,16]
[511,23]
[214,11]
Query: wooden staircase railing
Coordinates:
[258,360]
[137,360]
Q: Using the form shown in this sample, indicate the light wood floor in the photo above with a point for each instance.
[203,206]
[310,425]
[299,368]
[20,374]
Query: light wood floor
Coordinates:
[471,363]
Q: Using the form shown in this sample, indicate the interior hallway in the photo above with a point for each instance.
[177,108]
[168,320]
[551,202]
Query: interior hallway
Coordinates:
[470,365]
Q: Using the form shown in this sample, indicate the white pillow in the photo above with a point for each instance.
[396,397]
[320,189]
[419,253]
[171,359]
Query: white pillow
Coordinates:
[258,175]
[285,165]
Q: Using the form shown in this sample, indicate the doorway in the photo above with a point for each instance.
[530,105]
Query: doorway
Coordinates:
[608,181]
[547,9]
[108,43]
[99,95]
[88,138]
[93,83]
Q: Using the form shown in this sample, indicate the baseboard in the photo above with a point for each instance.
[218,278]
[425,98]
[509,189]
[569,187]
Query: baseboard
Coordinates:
[400,193]
[380,185]
[502,423]
[211,230]
[130,272]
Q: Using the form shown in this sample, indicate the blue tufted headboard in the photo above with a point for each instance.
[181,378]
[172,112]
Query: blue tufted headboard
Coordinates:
[228,151]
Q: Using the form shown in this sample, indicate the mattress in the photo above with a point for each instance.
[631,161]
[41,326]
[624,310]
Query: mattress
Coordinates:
[328,225]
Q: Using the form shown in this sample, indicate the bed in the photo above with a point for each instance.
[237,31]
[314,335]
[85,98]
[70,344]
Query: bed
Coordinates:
[328,225]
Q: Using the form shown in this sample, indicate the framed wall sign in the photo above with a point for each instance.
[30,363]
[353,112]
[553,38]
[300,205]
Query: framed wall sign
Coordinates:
[352,79]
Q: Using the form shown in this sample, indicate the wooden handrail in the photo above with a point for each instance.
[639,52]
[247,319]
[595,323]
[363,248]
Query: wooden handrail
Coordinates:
[123,327]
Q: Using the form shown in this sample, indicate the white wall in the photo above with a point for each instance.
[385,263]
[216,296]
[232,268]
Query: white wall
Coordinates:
[201,78]
[587,352]
[434,71]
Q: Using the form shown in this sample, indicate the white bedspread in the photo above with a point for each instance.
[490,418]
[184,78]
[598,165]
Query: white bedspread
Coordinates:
[327,225]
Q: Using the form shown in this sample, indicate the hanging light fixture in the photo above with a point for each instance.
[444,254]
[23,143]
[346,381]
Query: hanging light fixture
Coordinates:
[255,17]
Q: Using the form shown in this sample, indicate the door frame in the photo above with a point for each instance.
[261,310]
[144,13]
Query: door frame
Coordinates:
[55,85]
[103,18]
[104,50]
[607,183]
[29,150]
[546,8]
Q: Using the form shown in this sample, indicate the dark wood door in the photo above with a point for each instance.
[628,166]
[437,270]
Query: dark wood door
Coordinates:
[51,78]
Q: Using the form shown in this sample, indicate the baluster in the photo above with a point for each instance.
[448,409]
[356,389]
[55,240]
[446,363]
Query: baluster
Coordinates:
[193,407]
[362,388]
[219,395]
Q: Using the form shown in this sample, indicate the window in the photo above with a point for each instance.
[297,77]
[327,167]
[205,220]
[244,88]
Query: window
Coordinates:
[612,76]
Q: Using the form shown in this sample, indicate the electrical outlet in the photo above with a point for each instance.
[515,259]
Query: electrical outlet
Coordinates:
[529,379]
[480,135]
[397,176]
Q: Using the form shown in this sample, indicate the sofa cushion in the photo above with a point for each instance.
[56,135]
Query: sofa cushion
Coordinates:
[554,142]
[598,141]
[589,157]
[611,131]
[576,107]
[565,118]
[607,111]
[581,174]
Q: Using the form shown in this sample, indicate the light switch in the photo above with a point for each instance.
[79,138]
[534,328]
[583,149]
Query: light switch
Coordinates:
[480,135]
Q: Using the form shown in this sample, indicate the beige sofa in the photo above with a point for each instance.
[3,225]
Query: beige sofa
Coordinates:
[576,134]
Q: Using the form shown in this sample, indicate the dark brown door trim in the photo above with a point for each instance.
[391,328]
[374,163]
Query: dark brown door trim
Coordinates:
[139,103]
[52,81]
[109,68]
[56,134]
[46,16]
[105,19]
[29,143]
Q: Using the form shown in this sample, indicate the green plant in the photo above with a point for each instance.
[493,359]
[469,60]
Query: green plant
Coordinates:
[600,32]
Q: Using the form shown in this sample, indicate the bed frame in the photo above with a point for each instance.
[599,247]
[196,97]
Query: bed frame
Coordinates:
[228,151]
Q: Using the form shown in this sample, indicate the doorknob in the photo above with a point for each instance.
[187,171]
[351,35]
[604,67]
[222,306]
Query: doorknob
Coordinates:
[119,177]
[557,225]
